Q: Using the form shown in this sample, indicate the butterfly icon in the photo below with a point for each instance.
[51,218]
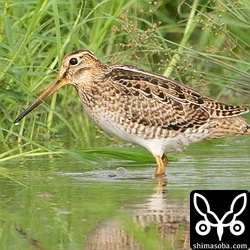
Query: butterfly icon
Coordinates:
[203,227]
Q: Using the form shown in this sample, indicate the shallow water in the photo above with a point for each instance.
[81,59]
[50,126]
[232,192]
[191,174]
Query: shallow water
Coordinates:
[65,203]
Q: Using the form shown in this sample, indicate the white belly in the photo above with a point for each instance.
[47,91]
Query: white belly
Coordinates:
[157,146]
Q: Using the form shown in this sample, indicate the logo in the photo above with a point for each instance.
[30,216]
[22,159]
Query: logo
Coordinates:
[219,219]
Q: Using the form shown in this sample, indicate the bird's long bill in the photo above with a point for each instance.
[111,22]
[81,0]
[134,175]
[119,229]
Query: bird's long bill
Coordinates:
[57,84]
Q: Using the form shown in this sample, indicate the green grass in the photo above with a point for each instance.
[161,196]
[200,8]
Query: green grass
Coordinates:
[200,43]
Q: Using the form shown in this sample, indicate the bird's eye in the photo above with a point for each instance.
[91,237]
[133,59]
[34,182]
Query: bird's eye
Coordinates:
[73,61]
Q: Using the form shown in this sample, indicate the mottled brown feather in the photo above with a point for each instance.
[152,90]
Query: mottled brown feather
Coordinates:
[164,102]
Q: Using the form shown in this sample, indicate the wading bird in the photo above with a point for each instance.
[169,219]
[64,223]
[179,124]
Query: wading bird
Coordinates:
[147,109]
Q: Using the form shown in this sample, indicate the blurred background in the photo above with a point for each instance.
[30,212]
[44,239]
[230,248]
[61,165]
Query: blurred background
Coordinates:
[66,184]
[204,44]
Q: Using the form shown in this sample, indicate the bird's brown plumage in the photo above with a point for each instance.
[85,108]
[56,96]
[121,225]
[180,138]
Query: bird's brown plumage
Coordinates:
[144,108]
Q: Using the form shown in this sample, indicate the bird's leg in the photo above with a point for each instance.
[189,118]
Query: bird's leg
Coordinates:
[164,159]
[161,162]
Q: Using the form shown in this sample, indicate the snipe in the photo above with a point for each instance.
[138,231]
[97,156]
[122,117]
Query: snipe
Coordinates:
[144,108]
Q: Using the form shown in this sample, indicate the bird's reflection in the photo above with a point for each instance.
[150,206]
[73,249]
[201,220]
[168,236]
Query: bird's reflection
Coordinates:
[167,217]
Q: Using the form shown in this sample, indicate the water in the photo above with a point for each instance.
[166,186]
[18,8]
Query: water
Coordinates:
[66,203]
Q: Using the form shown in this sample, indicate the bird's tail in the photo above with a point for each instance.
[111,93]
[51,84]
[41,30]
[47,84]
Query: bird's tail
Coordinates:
[229,126]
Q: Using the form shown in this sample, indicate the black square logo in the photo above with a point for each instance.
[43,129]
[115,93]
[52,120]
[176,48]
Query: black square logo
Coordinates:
[219,219]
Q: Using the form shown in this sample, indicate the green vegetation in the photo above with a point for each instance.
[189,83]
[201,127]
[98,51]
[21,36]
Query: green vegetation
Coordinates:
[204,44]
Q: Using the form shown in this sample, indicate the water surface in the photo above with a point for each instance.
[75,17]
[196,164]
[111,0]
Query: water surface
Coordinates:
[67,203]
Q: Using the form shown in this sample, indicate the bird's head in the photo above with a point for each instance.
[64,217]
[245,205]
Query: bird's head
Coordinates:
[79,68]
